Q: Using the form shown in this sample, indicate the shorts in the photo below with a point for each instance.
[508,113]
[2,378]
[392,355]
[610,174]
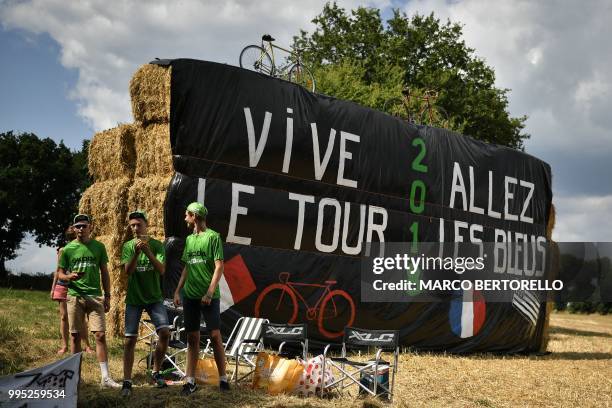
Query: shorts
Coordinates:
[60,292]
[90,306]
[192,308]
[156,311]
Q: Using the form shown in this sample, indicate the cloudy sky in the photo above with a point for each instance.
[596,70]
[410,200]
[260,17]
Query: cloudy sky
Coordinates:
[66,67]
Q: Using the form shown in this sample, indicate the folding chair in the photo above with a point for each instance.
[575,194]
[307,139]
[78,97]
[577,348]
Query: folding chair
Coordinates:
[280,334]
[368,372]
[236,347]
[177,347]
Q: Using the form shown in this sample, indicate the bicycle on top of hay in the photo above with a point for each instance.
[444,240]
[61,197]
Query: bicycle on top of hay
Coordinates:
[418,109]
[260,58]
[333,305]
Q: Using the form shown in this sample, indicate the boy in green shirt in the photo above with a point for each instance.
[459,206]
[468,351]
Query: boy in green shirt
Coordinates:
[83,262]
[203,259]
[143,262]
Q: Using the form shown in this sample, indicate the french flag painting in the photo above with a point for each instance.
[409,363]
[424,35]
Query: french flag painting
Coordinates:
[467,313]
[236,283]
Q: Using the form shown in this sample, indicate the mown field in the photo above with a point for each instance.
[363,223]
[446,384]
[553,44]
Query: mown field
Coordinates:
[578,372]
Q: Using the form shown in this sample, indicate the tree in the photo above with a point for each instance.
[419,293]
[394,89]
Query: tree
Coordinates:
[40,186]
[418,52]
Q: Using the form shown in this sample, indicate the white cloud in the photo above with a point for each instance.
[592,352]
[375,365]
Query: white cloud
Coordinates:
[33,259]
[583,218]
[107,41]
[556,58]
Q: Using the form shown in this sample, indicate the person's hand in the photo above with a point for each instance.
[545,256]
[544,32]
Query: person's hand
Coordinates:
[143,245]
[51,294]
[106,304]
[74,276]
[206,299]
[177,299]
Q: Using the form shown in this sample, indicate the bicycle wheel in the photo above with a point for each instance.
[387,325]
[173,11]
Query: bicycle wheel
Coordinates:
[436,116]
[337,311]
[278,303]
[396,107]
[256,59]
[301,75]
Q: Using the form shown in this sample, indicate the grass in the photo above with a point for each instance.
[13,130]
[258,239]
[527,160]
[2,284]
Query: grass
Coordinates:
[578,372]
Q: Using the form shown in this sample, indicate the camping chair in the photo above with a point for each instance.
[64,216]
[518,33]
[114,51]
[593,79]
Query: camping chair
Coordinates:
[236,347]
[368,371]
[280,334]
[176,354]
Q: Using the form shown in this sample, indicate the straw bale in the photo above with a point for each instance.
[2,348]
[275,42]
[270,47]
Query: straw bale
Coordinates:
[149,194]
[153,153]
[150,94]
[106,202]
[551,222]
[111,153]
[550,226]
[118,284]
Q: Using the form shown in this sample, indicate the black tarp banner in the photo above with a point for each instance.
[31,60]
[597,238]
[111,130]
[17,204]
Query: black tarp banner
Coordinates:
[296,183]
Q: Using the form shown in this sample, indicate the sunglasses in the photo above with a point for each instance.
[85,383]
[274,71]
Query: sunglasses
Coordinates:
[80,226]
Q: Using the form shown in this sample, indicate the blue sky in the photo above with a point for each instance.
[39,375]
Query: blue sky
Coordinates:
[66,67]
[39,88]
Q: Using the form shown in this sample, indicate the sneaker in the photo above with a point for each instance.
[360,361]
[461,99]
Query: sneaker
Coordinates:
[188,389]
[126,390]
[224,386]
[158,380]
[109,383]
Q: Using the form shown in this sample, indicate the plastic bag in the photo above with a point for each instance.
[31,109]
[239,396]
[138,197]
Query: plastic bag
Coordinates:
[206,372]
[310,383]
[276,374]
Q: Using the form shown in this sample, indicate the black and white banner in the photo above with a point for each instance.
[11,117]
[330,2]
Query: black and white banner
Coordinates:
[54,385]
[297,183]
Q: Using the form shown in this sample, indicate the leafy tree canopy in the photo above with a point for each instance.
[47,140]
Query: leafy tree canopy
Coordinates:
[40,186]
[355,56]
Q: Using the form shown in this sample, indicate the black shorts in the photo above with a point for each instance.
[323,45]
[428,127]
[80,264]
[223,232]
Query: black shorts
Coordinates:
[210,313]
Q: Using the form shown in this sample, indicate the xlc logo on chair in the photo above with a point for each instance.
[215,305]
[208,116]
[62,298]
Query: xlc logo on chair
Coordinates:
[369,337]
[284,331]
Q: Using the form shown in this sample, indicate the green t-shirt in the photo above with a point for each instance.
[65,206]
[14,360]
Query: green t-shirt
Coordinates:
[143,284]
[86,259]
[199,256]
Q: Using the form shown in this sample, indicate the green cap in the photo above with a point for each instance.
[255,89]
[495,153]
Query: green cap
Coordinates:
[138,214]
[81,217]
[197,209]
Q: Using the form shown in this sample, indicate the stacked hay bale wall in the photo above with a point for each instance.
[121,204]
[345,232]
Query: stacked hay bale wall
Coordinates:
[131,166]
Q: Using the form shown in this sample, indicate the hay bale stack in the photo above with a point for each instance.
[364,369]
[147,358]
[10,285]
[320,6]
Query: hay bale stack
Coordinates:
[132,167]
[111,153]
[118,284]
[153,153]
[550,226]
[150,94]
[149,195]
[106,202]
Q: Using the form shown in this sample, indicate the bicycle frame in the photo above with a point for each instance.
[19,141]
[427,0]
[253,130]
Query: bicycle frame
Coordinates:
[293,56]
[299,295]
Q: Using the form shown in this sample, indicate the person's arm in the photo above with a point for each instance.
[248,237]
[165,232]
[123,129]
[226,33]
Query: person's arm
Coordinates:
[214,282]
[144,247]
[177,292]
[59,253]
[130,267]
[61,274]
[105,285]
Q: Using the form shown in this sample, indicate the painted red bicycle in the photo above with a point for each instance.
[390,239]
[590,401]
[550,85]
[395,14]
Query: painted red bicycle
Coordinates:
[334,309]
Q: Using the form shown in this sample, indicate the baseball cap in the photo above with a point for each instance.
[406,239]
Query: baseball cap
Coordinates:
[81,217]
[197,209]
[138,214]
